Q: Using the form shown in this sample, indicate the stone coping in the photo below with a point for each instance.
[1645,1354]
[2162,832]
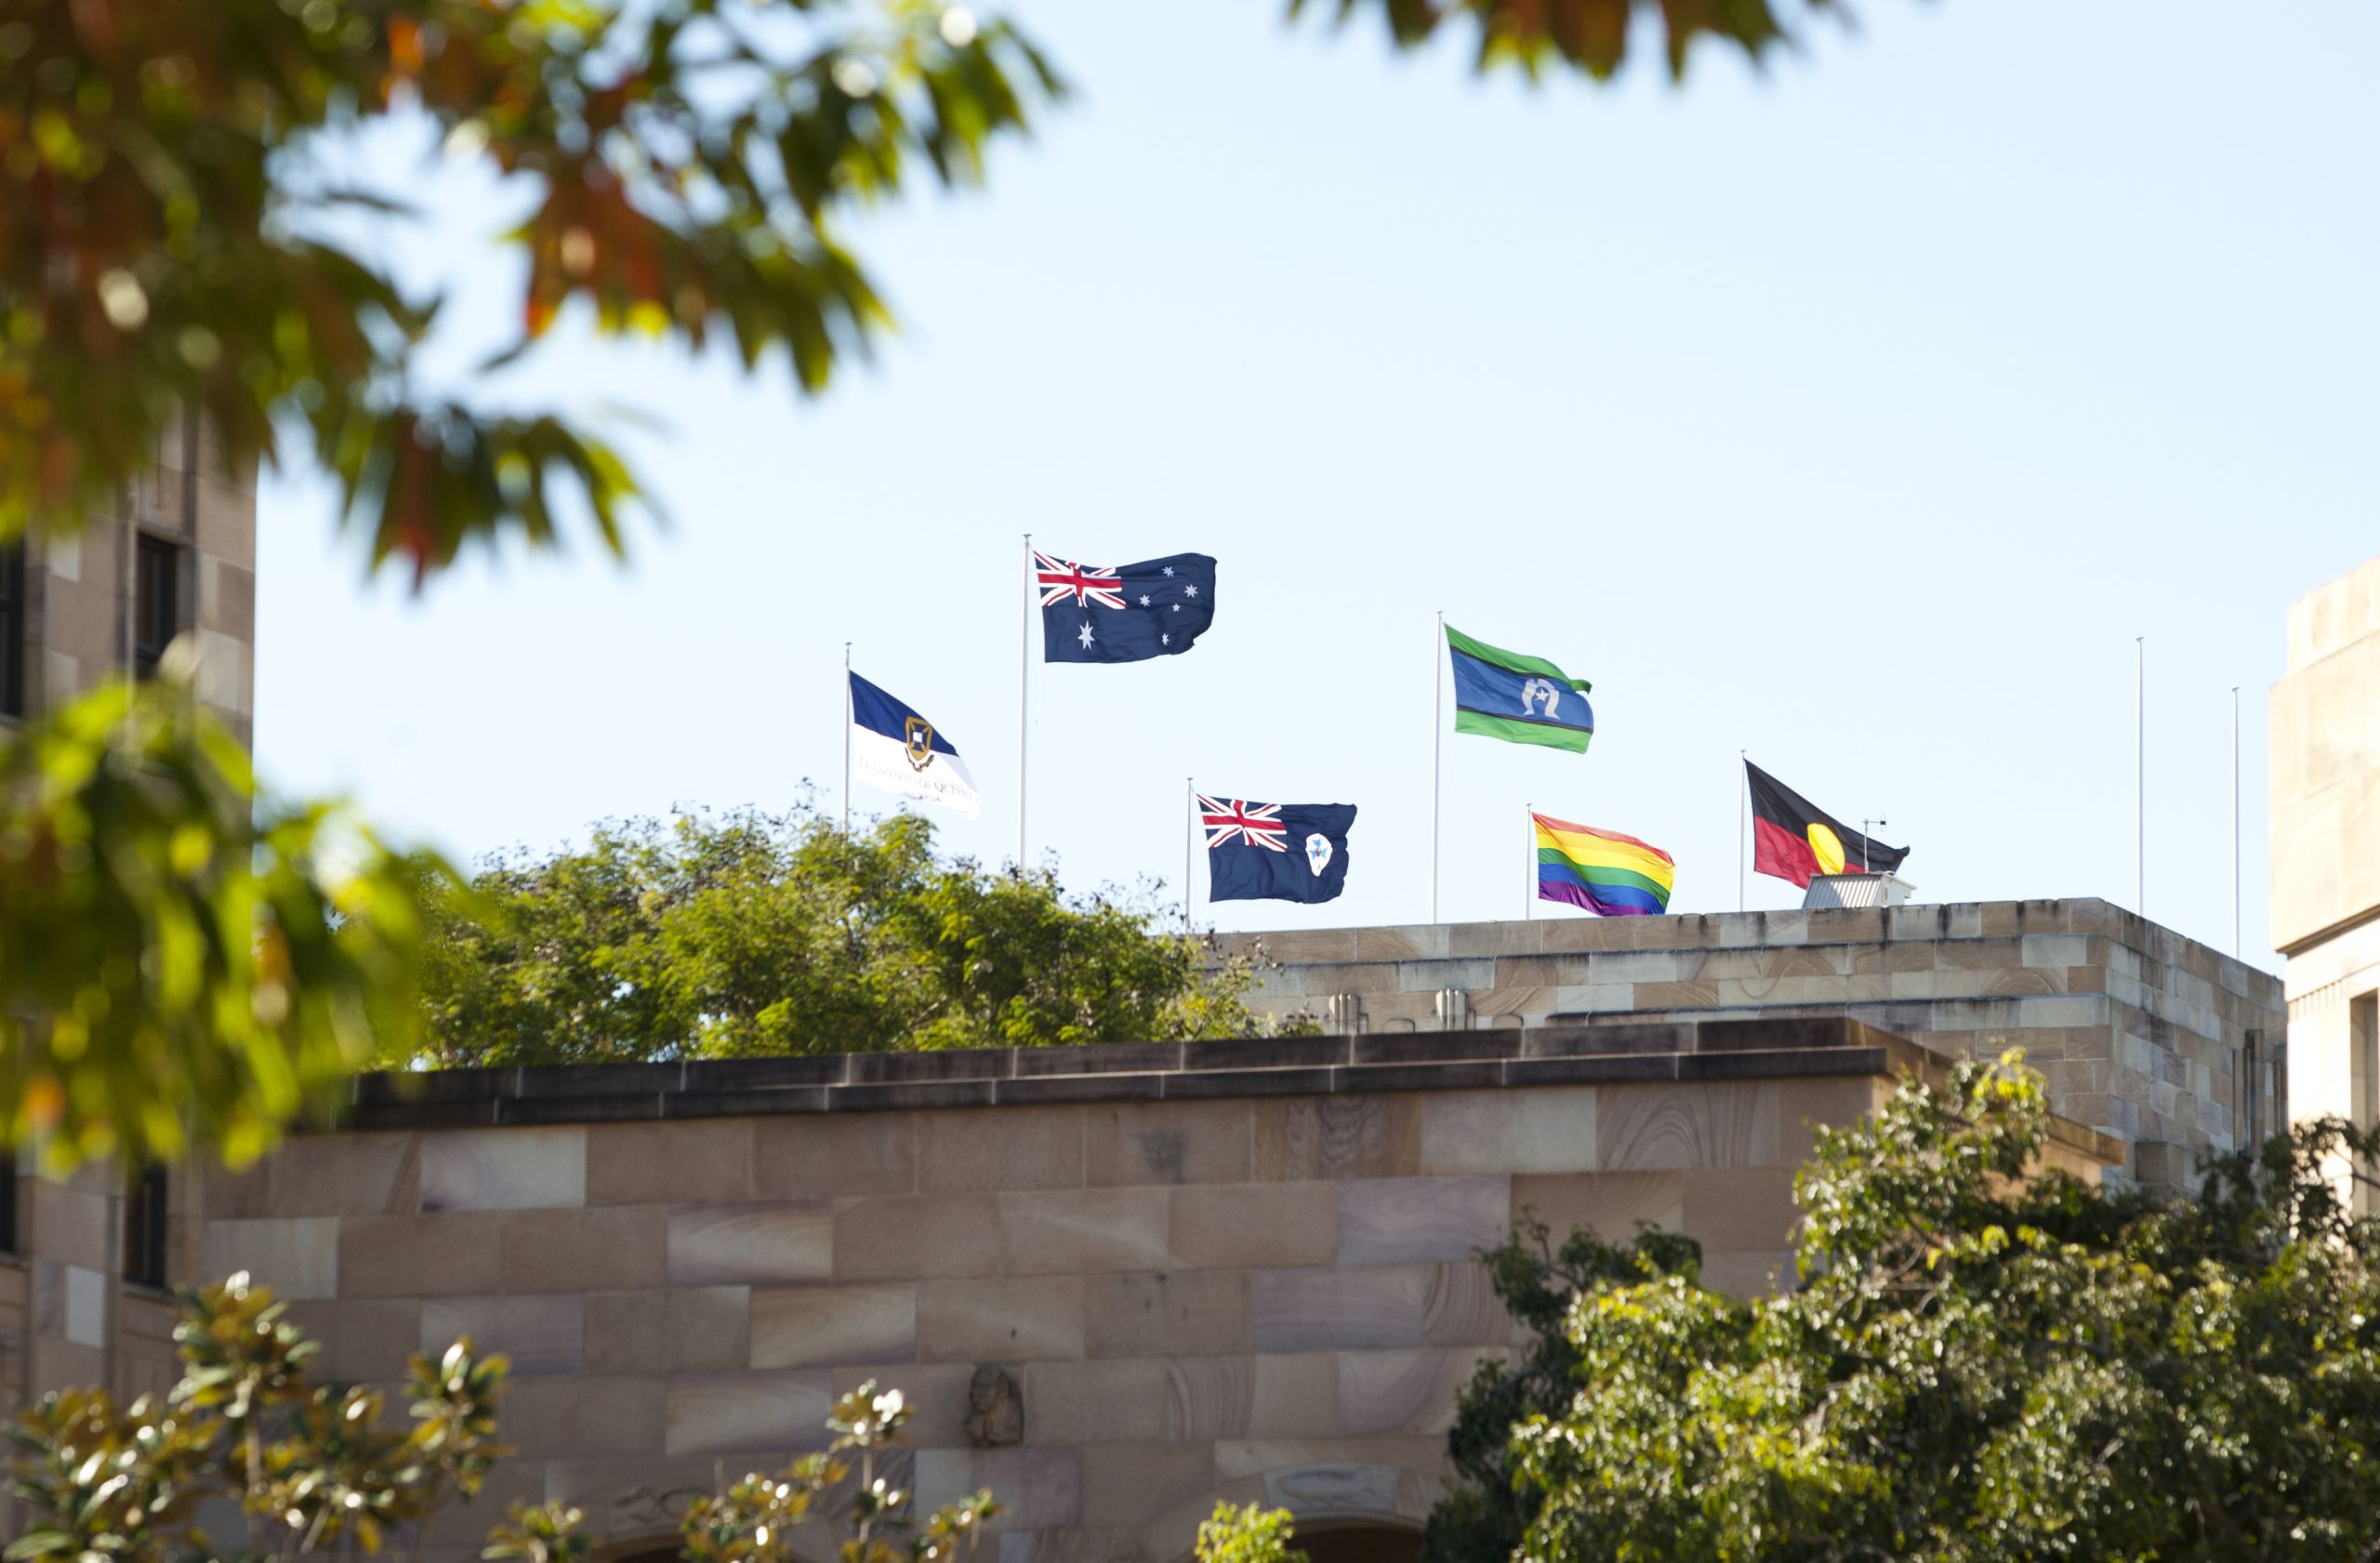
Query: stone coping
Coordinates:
[1918,922]
[1498,1058]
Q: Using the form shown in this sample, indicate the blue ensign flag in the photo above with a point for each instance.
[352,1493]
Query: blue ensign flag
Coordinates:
[1128,613]
[1275,852]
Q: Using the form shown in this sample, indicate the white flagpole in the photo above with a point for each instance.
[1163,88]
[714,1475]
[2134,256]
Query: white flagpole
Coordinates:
[2235,822]
[2140,774]
[1189,844]
[1744,806]
[1023,686]
[1529,884]
[1437,743]
[850,715]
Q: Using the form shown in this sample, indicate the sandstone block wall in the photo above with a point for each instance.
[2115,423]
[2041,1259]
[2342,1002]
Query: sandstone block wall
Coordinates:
[2143,1034]
[1224,1271]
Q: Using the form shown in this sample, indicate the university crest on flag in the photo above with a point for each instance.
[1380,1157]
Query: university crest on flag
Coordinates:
[895,747]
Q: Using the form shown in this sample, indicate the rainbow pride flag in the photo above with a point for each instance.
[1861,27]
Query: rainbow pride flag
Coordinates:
[1608,873]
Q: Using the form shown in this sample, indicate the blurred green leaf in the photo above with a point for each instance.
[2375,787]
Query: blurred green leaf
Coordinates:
[198,964]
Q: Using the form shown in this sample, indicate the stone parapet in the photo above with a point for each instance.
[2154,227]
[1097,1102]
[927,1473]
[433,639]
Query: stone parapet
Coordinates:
[2142,1032]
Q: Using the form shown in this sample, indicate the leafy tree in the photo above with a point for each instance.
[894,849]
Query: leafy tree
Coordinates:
[1247,1535]
[315,1469]
[1982,1360]
[753,933]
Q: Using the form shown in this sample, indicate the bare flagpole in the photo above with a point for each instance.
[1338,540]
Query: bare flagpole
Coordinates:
[1024,675]
[2139,775]
[1189,845]
[1529,884]
[850,716]
[2235,822]
[1743,806]
[1437,743]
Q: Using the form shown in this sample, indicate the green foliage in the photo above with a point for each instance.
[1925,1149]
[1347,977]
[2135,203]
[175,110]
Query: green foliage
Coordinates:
[1588,35]
[758,934]
[754,1521]
[205,964]
[1247,1535]
[313,1467]
[166,192]
[317,1469]
[1983,1360]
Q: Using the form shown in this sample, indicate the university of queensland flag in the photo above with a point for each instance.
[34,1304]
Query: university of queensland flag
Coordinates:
[1128,613]
[895,748]
[1275,852]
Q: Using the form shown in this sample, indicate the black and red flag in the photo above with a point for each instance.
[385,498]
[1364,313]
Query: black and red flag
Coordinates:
[1794,840]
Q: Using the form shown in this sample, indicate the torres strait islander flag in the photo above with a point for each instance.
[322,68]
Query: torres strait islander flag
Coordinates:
[1520,699]
[1794,840]
[1602,870]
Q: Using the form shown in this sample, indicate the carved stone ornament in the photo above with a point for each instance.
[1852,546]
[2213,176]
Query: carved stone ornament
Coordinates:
[995,1409]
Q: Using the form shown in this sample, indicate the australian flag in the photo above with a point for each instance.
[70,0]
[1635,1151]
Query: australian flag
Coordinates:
[1275,852]
[1128,613]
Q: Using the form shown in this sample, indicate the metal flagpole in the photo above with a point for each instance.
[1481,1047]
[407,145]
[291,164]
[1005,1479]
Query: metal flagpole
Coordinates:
[1744,806]
[1024,672]
[1437,743]
[1189,845]
[850,716]
[2235,822]
[2139,775]
[1529,886]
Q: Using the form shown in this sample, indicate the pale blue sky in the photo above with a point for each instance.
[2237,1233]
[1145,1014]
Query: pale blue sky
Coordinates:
[1858,415]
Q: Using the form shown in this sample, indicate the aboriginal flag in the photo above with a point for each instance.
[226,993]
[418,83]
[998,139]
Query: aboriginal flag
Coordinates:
[1792,840]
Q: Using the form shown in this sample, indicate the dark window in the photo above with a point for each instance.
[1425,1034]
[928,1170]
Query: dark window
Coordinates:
[12,628]
[7,1202]
[144,1229]
[156,602]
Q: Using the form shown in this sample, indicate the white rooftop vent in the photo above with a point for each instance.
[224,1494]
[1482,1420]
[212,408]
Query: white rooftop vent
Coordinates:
[1857,890]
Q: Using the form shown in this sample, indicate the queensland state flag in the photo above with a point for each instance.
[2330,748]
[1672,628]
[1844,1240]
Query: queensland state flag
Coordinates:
[1275,852]
[1793,838]
[1123,612]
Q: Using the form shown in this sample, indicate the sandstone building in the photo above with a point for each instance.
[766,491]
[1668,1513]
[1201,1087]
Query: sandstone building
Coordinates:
[1121,1283]
[2326,847]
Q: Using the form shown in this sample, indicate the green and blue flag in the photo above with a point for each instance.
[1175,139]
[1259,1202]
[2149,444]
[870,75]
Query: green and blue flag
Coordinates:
[1520,699]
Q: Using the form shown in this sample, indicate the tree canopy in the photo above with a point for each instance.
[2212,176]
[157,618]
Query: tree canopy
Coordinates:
[1982,1360]
[750,934]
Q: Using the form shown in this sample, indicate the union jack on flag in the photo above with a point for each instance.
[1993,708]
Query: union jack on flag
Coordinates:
[1227,820]
[1084,583]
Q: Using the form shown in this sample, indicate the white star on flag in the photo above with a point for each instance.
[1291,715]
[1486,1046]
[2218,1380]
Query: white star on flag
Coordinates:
[1085,636]
[1144,599]
[1169,569]
[1190,592]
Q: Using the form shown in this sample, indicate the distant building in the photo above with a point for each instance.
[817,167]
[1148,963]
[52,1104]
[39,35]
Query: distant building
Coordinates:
[81,1259]
[2325,718]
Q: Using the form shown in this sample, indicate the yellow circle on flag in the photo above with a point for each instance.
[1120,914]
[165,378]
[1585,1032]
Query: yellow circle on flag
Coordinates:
[1828,845]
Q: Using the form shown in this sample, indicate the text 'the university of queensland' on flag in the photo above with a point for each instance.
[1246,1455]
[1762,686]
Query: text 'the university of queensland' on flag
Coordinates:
[895,748]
